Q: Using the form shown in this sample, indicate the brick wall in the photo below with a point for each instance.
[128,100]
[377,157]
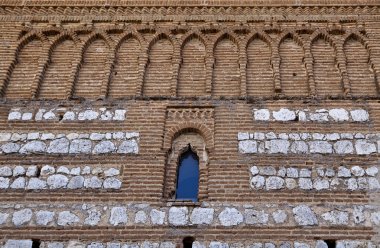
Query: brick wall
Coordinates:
[92,88]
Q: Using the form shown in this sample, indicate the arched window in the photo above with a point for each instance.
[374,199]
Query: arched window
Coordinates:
[188,177]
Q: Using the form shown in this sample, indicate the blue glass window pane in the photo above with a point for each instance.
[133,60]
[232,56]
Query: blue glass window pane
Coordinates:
[188,177]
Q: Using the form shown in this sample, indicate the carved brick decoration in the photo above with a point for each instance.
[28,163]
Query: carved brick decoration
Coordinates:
[279,100]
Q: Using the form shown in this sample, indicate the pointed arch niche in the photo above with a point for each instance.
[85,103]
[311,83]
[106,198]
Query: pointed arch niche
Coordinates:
[186,143]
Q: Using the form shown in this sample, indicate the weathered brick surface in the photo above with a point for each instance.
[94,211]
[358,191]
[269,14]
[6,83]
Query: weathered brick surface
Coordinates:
[190,72]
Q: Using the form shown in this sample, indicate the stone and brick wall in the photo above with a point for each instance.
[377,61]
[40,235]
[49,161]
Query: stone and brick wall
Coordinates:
[278,99]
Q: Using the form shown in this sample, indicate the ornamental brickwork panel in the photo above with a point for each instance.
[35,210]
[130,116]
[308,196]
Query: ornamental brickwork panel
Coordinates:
[277,101]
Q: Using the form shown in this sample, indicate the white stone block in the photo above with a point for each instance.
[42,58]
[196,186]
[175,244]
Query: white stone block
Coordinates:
[80,146]
[128,146]
[93,183]
[18,171]
[31,171]
[277,146]
[267,171]
[57,181]
[5,137]
[230,217]
[66,218]
[157,217]
[322,147]
[112,183]
[279,216]
[104,147]
[305,173]
[321,184]
[140,217]
[88,115]
[284,115]
[118,216]
[50,115]
[10,148]
[336,217]
[256,217]
[257,182]
[33,147]
[357,171]
[178,216]
[93,217]
[18,183]
[14,115]
[202,216]
[5,171]
[339,114]
[22,217]
[343,147]
[254,170]
[248,146]
[292,172]
[304,216]
[273,183]
[359,115]
[76,182]
[43,217]
[363,147]
[4,183]
[344,172]
[119,115]
[319,117]
[47,170]
[243,136]
[36,183]
[3,218]
[261,115]
[63,170]
[372,171]
[69,116]
[13,243]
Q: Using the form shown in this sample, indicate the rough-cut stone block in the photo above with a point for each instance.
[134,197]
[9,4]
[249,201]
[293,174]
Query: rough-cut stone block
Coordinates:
[5,171]
[93,217]
[178,216]
[5,137]
[76,182]
[10,147]
[339,114]
[13,243]
[359,115]
[267,171]
[257,182]
[93,183]
[343,172]
[274,182]
[33,147]
[22,217]
[201,216]
[299,147]
[4,183]
[372,171]
[336,217]
[291,183]
[322,147]
[47,170]
[243,136]
[80,146]
[277,146]
[88,115]
[255,217]
[128,146]
[279,216]
[112,183]
[230,217]
[319,117]
[43,217]
[36,183]
[292,172]
[157,217]
[304,216]
[140,217]
[104,147]
[59,146]
[66,218]
[18,171]
[57,181]
[284,115]
[3,218]
[119,115]
[261,115]
[363,147]
[248,146]
[18,183]
[321,184]
[305,173]
[357,171]
[254,170]
[118,216]
[343,147]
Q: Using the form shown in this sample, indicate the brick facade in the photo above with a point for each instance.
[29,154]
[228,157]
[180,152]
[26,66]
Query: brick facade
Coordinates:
[278,99]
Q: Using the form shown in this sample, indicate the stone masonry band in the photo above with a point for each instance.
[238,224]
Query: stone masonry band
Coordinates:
[216,214]
[197,244]
[318,115]
[62,177]
[320,178]
[309,143]
[66,114]
[72,143]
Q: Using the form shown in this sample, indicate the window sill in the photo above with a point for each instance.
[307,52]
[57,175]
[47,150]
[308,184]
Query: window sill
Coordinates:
[171,203]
